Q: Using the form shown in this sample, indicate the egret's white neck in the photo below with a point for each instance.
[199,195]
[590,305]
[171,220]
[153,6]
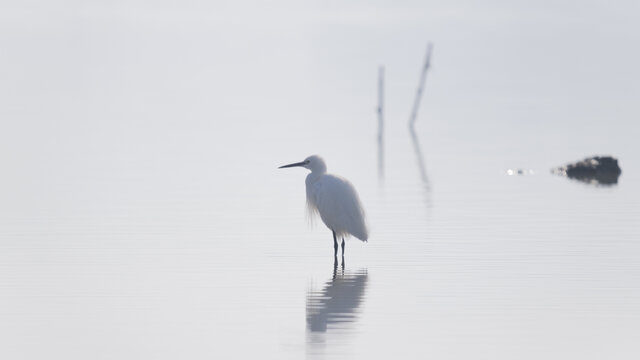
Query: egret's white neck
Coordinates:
[318,168]
[313,177]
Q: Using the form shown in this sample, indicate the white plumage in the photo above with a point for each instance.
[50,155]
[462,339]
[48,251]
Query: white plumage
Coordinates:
[335,199]
[338,204]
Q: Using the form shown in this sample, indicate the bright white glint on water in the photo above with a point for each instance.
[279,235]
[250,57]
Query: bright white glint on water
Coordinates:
[142,214]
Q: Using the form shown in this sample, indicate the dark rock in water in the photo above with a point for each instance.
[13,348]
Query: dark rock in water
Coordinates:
[603,170]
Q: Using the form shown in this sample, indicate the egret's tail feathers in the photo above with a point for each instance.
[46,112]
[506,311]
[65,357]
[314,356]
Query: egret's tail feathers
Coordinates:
[360,234]
[363,237]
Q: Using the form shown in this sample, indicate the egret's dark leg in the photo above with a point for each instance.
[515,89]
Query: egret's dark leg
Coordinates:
[343,249]
[335,246]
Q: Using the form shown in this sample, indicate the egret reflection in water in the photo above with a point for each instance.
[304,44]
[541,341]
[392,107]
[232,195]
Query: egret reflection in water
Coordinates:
[336,305]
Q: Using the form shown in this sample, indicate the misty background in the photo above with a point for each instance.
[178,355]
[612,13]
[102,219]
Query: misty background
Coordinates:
[142,214]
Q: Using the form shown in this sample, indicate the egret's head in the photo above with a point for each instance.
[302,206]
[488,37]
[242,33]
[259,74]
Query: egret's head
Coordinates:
[313,163]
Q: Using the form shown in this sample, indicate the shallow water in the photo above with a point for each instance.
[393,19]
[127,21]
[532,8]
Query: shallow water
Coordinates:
[142,213]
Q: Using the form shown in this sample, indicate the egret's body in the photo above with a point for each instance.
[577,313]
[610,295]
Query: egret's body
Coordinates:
[335,200]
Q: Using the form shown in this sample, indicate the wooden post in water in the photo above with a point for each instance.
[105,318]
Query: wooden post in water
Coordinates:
[423,77]
[380,122]
[412,120]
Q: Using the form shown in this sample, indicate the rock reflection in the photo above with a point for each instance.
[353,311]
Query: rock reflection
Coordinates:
[334,308]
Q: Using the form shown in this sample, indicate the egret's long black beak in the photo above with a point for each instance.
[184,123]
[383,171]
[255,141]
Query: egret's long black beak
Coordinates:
[302,163]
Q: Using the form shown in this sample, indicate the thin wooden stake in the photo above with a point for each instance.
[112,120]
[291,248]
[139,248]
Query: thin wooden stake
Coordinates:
[423,77]
[381,122]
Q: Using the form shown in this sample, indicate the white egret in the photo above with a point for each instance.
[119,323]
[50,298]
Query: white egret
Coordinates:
[335,199]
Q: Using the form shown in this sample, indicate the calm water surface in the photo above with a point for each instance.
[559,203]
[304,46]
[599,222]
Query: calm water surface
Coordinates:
[526,266]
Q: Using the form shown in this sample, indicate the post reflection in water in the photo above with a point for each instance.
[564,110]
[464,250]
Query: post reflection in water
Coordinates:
[421,167]
[334,309]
